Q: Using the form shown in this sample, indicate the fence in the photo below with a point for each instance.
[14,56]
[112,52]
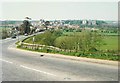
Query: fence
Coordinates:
[38,46]
[48,48]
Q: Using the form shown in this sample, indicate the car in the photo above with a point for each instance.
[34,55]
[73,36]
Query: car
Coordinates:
[26,34]
[13,36]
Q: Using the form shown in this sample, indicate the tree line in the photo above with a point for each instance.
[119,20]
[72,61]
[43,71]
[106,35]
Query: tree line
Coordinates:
[82,41]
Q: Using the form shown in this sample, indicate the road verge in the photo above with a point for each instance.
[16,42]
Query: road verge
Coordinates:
[99,61]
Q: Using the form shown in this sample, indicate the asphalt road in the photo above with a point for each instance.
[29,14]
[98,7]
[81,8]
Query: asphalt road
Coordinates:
[24,66]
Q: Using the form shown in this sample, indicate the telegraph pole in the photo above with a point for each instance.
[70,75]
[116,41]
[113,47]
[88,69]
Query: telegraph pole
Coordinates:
[33,40]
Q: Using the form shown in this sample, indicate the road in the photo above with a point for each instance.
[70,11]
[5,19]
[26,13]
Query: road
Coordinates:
[28,66]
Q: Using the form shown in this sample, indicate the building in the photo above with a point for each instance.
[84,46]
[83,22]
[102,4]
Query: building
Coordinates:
[84,22]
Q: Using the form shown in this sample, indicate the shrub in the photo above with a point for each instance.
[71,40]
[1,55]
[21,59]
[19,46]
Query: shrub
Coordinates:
[93,49]
[77,54]
[72,53]
[18,46]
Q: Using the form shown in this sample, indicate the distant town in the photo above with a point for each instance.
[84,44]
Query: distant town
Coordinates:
[61,23]
[41,25]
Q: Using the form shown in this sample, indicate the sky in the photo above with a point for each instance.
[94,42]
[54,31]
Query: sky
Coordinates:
[52,10]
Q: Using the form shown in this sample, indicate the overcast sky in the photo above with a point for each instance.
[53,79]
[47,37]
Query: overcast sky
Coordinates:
[60,10]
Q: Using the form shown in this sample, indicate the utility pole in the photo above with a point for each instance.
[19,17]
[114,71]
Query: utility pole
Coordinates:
[17,30]
[33,40]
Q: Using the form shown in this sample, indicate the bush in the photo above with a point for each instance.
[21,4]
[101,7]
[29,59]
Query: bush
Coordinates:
[93,49]
[18,46]
[77,54]
[72,53]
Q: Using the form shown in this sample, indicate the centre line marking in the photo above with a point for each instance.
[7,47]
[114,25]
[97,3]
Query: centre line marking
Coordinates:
[37,70]
[6,61]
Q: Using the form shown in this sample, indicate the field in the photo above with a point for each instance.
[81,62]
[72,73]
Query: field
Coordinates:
[110,43]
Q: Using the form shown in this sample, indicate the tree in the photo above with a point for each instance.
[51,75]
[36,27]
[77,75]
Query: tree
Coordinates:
[26,25]
[46,24]
[79,42]
[92,40]
[57,33]
[21,29]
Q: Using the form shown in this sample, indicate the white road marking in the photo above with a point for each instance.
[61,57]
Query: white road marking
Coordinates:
[37,70]
[29,68]
[6,61]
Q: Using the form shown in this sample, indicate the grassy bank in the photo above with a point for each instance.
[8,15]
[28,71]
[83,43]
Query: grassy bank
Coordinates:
[97,55]
[74,44]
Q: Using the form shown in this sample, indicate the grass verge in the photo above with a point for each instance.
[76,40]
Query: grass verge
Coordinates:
[97,55]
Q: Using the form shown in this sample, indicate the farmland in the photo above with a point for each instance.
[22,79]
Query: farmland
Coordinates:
[110,43]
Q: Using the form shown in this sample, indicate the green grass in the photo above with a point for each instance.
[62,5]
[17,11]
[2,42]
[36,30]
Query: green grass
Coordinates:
[104,56]
[72,33]
[110,34]
[110,43]
[28,40]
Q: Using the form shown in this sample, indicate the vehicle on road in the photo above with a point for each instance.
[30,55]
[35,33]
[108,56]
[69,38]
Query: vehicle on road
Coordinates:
[26,34]
[13,36]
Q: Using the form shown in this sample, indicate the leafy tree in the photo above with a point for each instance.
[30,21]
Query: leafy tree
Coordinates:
[79,42]
[46,24]
[48,37]
[26,26]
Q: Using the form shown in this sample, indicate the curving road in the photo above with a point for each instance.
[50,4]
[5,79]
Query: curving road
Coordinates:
[18,65]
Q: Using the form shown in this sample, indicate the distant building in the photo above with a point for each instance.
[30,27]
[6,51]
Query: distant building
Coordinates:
[42,21]
[89,22]
[84,22]
[93,22]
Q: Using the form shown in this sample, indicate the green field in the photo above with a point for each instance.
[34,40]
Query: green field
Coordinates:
[110,43]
